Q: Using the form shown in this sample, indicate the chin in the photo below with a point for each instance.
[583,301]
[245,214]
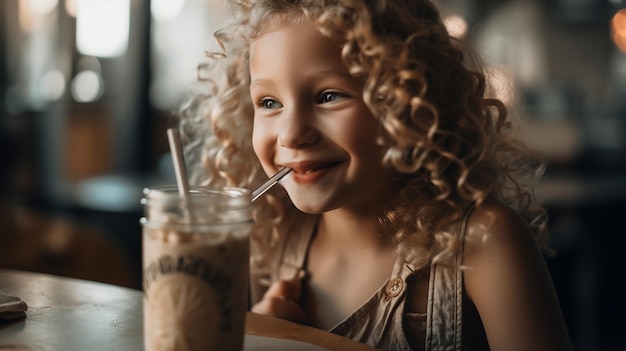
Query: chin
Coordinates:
[309,205]
[309,209]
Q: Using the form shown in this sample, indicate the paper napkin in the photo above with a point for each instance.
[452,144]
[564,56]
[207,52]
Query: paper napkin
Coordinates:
[11,307]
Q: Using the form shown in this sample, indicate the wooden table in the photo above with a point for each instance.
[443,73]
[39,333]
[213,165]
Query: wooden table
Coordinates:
[72,314]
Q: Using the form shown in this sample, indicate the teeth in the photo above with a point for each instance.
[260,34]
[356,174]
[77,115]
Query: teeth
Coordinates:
[309,171]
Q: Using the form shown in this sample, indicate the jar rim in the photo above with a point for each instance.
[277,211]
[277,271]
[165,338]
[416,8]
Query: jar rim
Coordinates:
[225,197]
[169,191]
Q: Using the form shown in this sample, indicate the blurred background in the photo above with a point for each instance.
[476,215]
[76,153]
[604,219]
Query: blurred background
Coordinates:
[88,87]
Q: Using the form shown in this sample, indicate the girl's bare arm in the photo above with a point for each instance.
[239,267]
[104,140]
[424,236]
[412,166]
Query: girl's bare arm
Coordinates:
[510,285]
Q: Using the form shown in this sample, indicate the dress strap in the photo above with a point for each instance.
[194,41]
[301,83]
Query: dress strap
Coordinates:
[444,324]
[297,241]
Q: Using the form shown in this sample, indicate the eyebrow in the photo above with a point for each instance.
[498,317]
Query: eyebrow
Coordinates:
[261,83]
[320,74]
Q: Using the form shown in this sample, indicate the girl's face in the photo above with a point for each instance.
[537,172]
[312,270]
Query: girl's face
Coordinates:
[309,115]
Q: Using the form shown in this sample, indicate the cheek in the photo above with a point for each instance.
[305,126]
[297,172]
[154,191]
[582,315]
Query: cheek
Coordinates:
[257,144]
[362,132]
[261,142]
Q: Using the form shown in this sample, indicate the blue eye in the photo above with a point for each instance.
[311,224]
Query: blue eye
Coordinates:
[270,104]
[330,96]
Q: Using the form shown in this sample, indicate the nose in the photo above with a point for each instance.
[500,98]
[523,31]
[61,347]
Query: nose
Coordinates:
[297,130]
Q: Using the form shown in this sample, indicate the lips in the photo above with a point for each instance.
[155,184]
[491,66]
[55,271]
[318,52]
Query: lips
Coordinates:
[311,170]
[306,167]
[308,172]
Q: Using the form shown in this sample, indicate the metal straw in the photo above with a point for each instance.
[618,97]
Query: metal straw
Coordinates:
[173,135]
[176,148]
[270,183]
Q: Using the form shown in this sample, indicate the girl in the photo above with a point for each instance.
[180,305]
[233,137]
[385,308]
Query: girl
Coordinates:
[406,222]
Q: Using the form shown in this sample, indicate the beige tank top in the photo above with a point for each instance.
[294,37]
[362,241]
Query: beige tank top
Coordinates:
[381,321]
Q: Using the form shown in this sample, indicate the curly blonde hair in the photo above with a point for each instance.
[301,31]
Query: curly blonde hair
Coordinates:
[451,145]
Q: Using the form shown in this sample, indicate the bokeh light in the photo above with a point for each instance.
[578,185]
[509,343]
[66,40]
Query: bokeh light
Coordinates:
[618,29]
[70,7]
[52,85]
[456,26]
[42,7]
[500,83]
[87,86]
[102,27]
[166,10]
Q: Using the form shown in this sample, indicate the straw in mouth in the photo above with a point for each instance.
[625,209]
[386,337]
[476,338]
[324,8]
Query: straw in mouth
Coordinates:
[180,170]
[270,183]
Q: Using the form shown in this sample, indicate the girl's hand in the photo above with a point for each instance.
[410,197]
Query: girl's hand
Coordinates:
[280,301]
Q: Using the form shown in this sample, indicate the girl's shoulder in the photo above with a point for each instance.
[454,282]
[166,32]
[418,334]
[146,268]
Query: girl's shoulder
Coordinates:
[499,243]
[506,277]
[493,225]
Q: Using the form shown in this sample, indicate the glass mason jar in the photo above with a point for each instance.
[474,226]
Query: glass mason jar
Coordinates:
[196,255]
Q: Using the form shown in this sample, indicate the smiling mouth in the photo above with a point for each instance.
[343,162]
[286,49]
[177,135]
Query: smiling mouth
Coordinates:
[308,168]
[310,172]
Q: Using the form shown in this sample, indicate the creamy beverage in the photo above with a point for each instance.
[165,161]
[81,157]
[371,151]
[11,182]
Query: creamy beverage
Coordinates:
[195,273]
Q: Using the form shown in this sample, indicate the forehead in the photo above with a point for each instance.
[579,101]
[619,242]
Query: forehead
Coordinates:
[294,49]
[273,20]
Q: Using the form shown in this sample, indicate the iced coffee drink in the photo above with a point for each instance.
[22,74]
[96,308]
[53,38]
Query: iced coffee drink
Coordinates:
[195,269]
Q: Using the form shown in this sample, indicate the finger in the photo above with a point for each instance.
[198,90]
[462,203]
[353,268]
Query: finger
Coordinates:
[286,289]
[280,308]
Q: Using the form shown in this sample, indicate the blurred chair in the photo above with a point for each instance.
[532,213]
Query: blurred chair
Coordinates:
[52,243]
